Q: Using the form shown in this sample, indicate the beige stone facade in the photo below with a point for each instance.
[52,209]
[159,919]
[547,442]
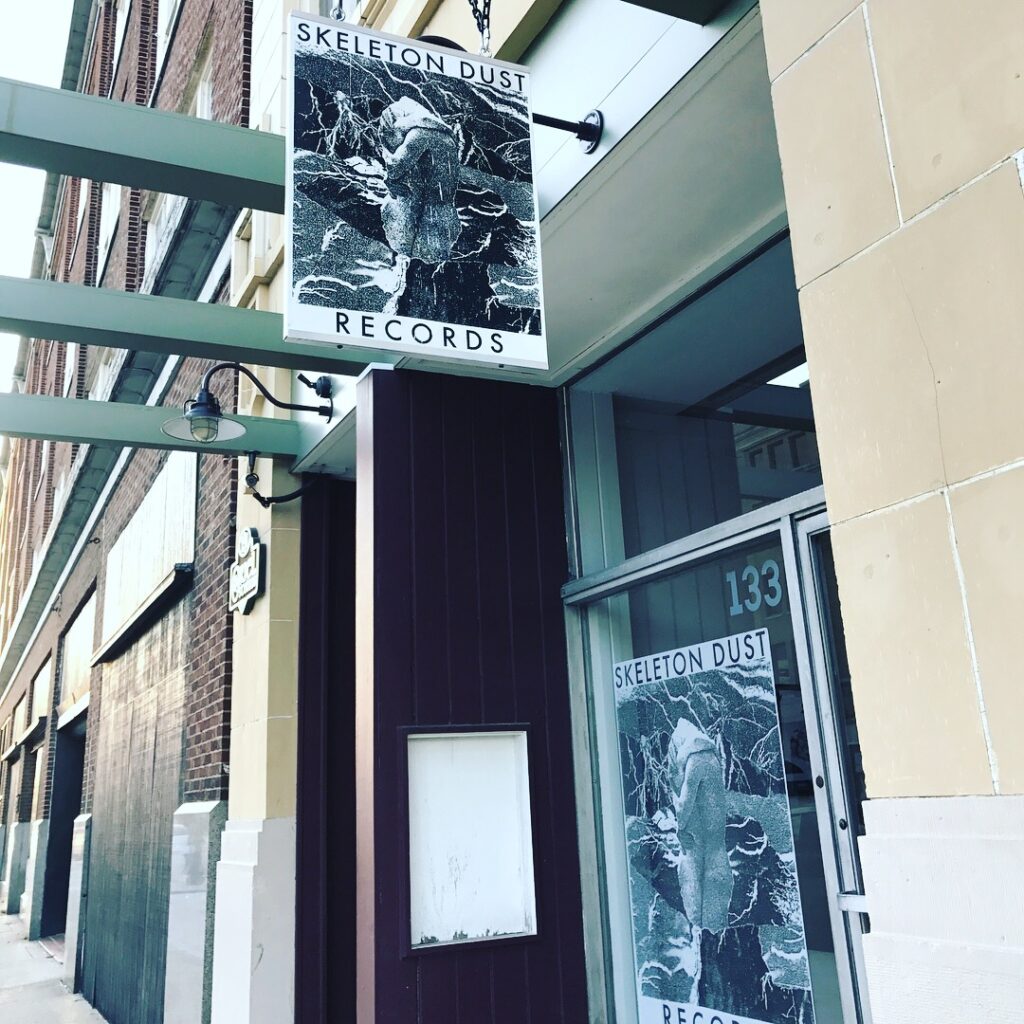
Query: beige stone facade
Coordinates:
[901,126]
[907,217]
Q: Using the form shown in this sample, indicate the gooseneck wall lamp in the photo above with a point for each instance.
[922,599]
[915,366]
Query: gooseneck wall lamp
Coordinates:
[202,419]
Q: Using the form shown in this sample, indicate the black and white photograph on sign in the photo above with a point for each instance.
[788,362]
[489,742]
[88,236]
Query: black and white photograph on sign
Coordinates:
[715,904]
[414,222]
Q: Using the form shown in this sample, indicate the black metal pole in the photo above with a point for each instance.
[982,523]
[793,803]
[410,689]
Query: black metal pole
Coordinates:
[557,122]
[588,131]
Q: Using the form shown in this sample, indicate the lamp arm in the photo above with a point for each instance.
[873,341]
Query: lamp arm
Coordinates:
[279,499]
[323,410]
[252,480]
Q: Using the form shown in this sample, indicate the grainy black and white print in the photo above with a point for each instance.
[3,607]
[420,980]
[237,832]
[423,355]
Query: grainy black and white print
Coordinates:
[717,920]
[413,198]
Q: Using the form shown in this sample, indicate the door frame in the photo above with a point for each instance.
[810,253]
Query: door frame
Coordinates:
[604,877]
[835,797]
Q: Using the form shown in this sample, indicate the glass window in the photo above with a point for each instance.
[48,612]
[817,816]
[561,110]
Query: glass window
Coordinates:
[79,641]
[704,418]
[167,11]
[202,100]
[120,25]
[41,692]
[70,365]
[110,209]
[83,205]
[20,717]
[35,758]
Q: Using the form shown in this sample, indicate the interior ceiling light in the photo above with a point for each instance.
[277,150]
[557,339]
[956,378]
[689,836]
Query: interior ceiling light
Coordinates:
[202,419]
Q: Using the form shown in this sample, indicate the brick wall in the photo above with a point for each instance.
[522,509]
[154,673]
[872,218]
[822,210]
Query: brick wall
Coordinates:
[224,32]
[208,670]
[220,32]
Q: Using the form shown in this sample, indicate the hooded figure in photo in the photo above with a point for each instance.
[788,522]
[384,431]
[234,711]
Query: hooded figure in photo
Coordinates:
[421,158]
[705,875]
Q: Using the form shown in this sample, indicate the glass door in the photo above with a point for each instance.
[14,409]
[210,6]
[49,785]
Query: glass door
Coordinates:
[718,790]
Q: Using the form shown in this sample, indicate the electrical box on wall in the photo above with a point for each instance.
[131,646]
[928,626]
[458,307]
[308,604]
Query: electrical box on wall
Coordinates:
[697,11]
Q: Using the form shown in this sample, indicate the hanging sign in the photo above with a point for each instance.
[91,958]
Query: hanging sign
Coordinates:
[412,213]
[718,931]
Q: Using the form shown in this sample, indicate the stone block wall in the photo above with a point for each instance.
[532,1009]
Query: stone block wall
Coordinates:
[901,131]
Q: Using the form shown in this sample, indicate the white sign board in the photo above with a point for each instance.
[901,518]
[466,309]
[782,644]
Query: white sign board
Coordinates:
[470,838]
[411,207]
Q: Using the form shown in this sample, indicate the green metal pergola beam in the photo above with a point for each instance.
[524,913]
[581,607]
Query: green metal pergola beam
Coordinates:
[89,137]
[153,323]
[120,425]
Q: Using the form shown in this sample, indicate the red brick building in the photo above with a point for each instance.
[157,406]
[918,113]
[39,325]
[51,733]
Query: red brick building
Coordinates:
[115,695]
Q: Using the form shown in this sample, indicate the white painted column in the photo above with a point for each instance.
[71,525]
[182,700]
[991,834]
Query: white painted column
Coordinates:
[254,931]
[254,947]
[31,907]
[195,850]
[78,885]
[14,870]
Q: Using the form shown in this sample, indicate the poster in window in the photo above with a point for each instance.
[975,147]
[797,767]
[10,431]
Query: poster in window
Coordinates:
[718,929]
[412,211]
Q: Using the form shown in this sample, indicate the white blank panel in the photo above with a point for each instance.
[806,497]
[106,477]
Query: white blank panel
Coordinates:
[470,838]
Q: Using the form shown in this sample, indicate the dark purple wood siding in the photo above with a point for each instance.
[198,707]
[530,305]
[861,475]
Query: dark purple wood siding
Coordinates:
[468,558]
[325,925]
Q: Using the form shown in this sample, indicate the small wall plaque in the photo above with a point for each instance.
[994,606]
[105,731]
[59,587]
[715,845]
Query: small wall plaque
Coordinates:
[247,572]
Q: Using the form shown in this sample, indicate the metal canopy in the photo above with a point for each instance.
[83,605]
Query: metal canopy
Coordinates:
[154,323]
[90,137]
[67,132]
[117,424]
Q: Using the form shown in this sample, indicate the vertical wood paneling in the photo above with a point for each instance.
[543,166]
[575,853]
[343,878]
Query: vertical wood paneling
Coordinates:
[468,559]
[401,653]
[325,919]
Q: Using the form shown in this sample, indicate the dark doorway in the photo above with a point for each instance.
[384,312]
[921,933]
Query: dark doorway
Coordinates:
[65,806]
[325,932]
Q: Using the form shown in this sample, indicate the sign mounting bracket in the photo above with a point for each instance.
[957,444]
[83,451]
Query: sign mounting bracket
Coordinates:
[588,131]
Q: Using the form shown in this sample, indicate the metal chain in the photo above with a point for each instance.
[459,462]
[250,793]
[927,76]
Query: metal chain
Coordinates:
[482,16]
[339,14]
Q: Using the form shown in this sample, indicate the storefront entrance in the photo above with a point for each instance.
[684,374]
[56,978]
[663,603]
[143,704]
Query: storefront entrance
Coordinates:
[719,765]
[771,578]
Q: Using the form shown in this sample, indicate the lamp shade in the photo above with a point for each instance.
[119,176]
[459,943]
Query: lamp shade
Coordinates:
[203,421]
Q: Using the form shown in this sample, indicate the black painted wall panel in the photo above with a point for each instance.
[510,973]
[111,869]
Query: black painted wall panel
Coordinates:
[468,558]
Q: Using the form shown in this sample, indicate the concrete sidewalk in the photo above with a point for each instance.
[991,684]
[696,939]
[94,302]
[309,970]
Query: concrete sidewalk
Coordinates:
[30,988]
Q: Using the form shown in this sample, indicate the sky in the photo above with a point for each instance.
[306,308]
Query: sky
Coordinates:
[30,56]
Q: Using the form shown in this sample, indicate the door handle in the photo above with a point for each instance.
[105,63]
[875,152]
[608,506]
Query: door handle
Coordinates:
[852,902]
